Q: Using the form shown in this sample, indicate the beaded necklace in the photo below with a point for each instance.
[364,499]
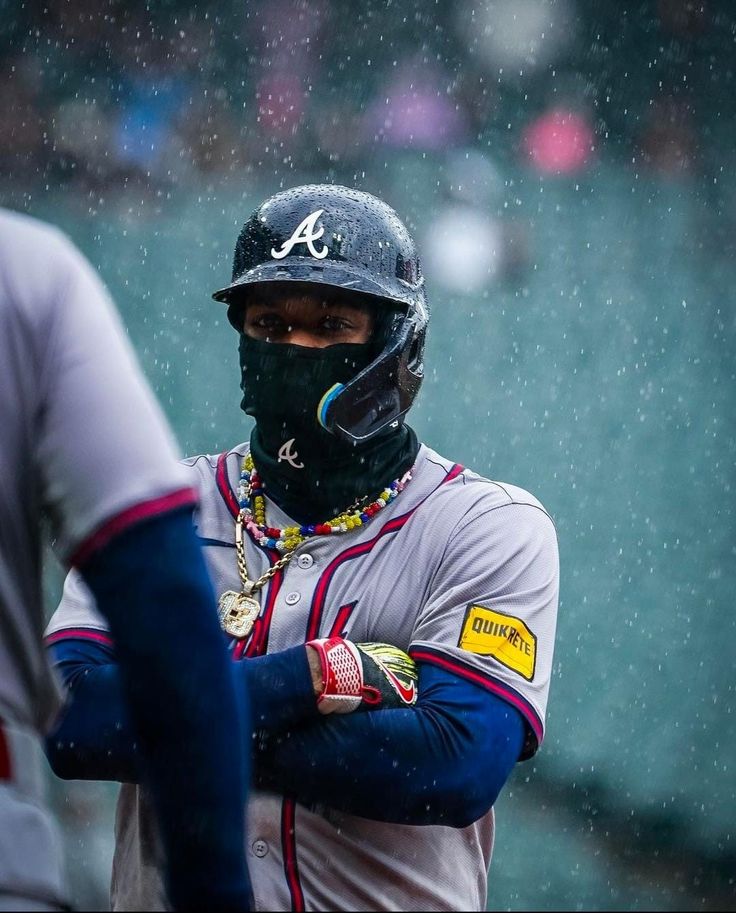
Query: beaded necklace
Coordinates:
[253,509]
[238,610]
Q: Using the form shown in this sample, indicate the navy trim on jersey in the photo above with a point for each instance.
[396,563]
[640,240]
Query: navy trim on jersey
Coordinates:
[93,634]
[290,861]
[319,598]
[257,642]
[113,527]
[535,730]
[223,485]
[218,543]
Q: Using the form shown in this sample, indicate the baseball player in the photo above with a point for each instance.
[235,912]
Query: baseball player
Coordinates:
[330,535]
[83,440]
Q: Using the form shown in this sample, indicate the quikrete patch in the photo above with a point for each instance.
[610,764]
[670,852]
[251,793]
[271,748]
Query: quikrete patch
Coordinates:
[504,637]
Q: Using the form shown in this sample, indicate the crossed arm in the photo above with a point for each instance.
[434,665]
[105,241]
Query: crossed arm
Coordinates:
[442,761]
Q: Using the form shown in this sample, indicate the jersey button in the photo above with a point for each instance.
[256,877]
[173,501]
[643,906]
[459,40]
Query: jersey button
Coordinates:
[293,598]
[260,848]
[305,561]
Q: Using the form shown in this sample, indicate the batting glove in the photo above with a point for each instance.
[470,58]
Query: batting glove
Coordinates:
[364,676]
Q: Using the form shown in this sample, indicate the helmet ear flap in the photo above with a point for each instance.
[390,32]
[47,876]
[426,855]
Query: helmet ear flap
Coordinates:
[383,392]
[415,355]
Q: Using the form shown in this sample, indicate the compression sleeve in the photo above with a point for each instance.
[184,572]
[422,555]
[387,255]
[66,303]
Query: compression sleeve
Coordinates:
[443,761]
[151,584]
[94,739]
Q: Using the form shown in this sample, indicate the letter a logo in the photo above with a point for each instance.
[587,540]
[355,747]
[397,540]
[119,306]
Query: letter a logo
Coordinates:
[306,233]
[290,456]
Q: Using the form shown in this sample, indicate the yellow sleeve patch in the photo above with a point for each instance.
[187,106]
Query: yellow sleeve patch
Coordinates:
[504,637]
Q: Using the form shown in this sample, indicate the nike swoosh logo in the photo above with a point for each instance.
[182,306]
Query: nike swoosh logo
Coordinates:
[406,694]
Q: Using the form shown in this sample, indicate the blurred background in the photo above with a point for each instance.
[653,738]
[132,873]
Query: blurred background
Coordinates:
[569,170]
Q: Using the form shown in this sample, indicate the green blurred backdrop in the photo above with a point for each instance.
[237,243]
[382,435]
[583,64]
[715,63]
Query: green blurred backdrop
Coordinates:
[576,207]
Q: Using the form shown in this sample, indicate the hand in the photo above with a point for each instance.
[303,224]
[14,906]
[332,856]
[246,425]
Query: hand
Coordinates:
[348,676]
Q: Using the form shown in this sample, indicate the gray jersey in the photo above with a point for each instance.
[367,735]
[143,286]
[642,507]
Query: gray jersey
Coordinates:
[457,570]
[81,437]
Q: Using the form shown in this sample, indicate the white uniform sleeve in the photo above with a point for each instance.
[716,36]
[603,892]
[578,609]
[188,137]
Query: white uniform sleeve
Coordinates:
[492,613]
[76,614]
[105,451]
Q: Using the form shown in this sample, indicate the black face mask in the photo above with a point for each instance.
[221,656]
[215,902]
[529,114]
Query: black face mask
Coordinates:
[309,472]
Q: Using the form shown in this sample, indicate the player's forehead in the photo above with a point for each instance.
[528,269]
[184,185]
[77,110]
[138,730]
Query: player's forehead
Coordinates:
[308,300]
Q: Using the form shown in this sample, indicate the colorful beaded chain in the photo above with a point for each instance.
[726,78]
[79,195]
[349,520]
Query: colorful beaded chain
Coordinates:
[253,508]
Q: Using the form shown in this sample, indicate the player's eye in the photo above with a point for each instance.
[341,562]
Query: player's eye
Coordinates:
[265,324]
[331,323]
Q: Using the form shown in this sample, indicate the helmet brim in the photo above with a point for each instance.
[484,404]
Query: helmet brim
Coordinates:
[345,276]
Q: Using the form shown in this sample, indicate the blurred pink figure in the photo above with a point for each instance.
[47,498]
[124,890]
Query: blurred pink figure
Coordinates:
[281,103]
[559,142]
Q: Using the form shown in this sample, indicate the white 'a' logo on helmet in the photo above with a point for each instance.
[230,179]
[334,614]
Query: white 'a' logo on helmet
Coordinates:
[306,233]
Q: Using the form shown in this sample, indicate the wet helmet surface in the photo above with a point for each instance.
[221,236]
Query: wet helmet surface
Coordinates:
[343,238]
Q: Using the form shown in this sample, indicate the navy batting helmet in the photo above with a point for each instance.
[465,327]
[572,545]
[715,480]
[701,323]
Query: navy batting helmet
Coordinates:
[330,235]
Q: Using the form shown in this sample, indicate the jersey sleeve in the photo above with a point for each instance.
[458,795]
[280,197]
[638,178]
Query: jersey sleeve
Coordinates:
[76,615]
[105,453]
[492,612]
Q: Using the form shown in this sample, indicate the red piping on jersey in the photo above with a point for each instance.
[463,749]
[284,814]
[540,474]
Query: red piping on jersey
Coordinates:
[288,846]
[79,634]
[6,768]
[223,485]
[257,643]
[485,681]
[239,649]
[355,551]
[184,497]
[341,620]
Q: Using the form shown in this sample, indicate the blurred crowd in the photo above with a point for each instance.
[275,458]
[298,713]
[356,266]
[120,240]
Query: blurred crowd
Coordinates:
[110,107]
[104,96]
[103,92]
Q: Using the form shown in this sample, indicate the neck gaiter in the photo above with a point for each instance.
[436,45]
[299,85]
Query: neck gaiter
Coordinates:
[310,473]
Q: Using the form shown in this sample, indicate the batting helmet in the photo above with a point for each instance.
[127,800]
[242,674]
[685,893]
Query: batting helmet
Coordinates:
[330,235]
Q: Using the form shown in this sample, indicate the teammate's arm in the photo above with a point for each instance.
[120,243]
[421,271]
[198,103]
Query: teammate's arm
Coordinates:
[442,761]
[445,760]
[94,738]
[121,507]
[164,603]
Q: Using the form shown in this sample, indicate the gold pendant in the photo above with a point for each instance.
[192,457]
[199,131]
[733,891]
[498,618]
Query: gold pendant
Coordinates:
[237,613]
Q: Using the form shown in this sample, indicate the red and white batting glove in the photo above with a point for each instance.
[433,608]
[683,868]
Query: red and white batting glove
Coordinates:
[363,675]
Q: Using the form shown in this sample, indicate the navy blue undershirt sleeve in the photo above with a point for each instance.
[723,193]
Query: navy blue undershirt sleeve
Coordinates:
[94,739]
[443,761]
[151,584]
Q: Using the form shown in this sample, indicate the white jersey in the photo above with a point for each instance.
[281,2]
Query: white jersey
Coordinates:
[459,571]
[83,442]
[81,438]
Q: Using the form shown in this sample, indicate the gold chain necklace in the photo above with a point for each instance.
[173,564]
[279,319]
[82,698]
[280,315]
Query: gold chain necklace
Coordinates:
[238,611]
